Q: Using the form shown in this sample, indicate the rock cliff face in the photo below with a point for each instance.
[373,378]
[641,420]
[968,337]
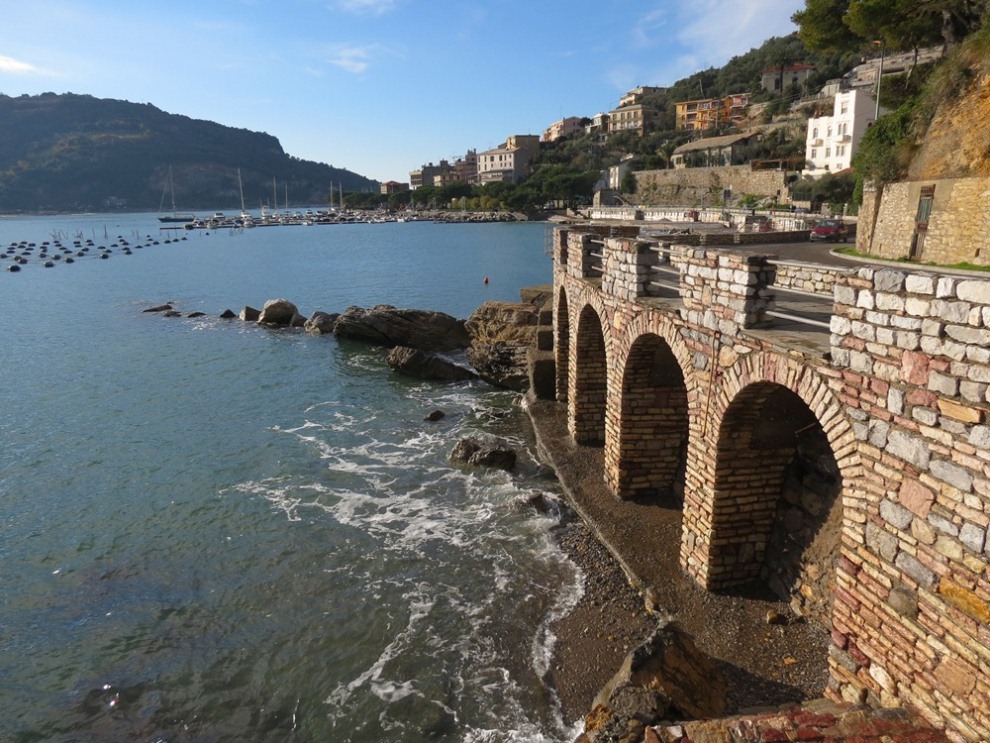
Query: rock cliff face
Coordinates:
[501,334]
[957,144]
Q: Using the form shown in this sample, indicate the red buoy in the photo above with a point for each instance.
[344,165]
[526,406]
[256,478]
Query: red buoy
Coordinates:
[486,279]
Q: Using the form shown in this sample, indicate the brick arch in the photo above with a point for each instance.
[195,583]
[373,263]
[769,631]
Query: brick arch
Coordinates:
[588,376]
[562,344]
[777,476]
[648,412]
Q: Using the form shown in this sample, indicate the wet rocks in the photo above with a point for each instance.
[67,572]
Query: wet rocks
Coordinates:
[159,308]
[280,312]
[473,452]
[249,314]
[384,324]
[423,365]
[321,323]
[502,333]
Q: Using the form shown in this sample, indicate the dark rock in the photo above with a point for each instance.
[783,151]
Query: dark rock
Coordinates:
[228,314]
[298,321]
[422,329]
[196,314]
[278,312]
[423,365]
[172,313]
[435,416]
[475,453]
[501,364]
[672,669]
[159,308]
[250,314]
[321,323]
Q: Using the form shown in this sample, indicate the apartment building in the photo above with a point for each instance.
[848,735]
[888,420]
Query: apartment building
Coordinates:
[508,163]
[636,95]
[635,118]
[393,187]
[832,140]
[792,76]
[563,128]
[707,113]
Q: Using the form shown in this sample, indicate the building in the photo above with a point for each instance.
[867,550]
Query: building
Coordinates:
[707,113]
[466,168]
[832,140]
[792,75]
[710,151]
[423,176]
[563,128]
[392,187]
[636,95]
[508,163]
[598,125]
[635,118]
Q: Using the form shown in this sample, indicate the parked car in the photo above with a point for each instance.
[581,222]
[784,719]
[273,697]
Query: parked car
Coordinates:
[832,230]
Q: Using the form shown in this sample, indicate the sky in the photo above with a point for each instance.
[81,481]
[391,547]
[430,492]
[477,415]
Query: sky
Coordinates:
[379,87]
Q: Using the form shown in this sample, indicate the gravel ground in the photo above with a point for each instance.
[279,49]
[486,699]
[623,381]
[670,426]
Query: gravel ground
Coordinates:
[621,543]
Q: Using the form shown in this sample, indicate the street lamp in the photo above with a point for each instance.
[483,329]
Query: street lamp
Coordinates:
[876,112]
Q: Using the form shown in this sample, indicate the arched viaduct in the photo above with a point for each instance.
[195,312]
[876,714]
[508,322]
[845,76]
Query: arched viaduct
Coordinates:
[838,453]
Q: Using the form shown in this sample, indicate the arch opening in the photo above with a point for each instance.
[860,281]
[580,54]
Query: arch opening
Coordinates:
[777,512]
[562,346]
[588,388]
[653,425]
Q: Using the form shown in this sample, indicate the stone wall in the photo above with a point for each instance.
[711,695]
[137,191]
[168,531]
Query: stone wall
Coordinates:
[856,482]
[957,229]
[696,186]
[912,607]
[806,277]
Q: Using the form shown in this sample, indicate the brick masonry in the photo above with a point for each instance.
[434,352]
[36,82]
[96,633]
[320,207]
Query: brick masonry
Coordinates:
[872,462]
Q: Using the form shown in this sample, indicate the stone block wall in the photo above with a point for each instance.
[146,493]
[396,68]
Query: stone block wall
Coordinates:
[724,291]
[806,277]
[911,622]
[957,229]
[695,185]
[628,267]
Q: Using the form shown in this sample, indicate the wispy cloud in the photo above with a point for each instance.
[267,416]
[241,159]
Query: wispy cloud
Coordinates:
[369,7]
[647,29]
[351,58]
[13,66]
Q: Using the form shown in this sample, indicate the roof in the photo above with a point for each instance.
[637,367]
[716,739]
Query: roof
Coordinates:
[789,68]
[711,143]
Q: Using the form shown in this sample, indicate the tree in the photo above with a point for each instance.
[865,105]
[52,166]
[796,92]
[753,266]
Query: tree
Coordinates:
[822,27]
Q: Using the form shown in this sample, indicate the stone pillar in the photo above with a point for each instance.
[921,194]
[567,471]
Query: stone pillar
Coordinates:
[628,267]
[726,291]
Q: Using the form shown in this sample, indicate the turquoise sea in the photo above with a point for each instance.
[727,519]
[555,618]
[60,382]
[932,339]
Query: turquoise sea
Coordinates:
[213,531]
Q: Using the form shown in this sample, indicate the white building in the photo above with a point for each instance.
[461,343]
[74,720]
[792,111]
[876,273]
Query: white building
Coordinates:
[832,140]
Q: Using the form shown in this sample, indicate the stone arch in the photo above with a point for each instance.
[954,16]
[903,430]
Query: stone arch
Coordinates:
[588,379]
[648,414]
[776,505]
[562,344]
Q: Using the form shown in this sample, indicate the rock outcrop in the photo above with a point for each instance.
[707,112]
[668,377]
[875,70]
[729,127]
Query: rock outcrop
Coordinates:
[280,312]
[478,454]
[667,677]
[424,365]
[321,323]
[386,325]
[501,335]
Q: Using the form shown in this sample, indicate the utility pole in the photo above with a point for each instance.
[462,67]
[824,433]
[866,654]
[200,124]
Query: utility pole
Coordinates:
[876,112]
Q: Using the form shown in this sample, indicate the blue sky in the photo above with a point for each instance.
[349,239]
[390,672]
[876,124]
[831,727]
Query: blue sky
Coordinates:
[376,86]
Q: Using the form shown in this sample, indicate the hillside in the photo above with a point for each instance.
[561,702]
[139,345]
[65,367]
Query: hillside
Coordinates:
[76,152]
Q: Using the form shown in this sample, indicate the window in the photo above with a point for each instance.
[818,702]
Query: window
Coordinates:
[845,107]
[814,153]
[840,150]
[814,133]
[828,152]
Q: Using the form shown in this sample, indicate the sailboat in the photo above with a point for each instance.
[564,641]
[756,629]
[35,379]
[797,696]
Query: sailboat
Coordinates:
[245,217]
[175,216]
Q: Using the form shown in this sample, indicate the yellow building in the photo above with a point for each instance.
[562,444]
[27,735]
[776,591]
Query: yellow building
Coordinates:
[707,113]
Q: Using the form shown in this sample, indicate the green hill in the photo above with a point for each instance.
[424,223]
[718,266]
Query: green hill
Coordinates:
[76,152]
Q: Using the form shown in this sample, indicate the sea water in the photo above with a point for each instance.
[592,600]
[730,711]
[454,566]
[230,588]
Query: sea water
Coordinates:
[215,531]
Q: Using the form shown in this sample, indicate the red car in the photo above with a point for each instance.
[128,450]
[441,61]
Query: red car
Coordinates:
[830,230]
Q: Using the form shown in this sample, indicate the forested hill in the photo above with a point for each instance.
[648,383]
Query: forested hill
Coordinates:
[76,152]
